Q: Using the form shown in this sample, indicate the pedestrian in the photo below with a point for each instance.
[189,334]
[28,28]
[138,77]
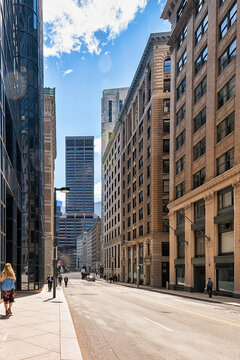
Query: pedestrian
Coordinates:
[60,280]
[50,282]
[105,277]
[8,279]
[209,287]
[115,278]
[66,281]
[111,279]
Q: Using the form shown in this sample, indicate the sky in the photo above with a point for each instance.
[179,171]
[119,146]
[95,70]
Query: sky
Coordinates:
[89,46]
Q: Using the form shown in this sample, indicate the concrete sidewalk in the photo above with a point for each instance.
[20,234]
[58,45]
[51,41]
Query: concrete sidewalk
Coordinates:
[41,328]
[190,295]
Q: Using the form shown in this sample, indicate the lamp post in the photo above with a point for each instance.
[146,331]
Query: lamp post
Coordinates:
[63,190]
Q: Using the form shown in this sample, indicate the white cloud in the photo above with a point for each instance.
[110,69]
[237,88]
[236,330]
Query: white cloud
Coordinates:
[107,53]
[69,71]
[69,24]
[97,191]
[97,145]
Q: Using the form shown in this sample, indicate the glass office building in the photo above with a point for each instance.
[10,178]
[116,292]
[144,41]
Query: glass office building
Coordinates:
[31,104]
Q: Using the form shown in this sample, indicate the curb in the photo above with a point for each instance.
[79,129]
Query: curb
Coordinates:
[69,345]
[177,294]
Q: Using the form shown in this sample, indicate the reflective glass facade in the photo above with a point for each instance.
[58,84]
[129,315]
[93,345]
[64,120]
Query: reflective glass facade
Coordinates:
[31,103]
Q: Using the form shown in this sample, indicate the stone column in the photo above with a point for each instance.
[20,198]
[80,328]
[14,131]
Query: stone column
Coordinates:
[211,247]
[172,249]
[236,187]
[144,266]
[189,248]
[138,271]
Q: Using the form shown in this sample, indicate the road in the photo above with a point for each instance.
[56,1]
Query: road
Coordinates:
[117,322]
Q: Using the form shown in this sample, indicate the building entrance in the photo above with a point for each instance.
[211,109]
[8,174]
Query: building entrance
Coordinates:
[165,273]
[199,278]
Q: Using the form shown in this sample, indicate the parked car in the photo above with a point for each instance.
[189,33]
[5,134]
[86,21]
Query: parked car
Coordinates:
[90,278]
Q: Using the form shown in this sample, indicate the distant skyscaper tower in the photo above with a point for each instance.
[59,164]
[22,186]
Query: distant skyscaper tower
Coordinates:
[80,200]
[80,174]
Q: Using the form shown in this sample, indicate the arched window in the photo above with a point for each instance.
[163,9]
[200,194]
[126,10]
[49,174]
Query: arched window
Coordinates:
[167,65]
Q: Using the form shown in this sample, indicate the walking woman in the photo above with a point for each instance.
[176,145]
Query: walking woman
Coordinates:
[8,279]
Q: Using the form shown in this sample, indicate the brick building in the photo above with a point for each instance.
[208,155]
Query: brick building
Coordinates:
[204,151]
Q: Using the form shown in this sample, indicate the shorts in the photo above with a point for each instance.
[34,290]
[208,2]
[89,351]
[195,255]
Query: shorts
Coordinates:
[8,296]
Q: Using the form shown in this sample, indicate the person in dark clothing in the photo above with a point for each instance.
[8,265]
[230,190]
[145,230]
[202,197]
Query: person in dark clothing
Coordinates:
[66,281]
[115,278]
[60,280]
[50,282]
[209,287]
[111,279]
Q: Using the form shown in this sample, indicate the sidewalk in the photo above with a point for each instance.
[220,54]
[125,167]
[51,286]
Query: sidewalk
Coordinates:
[41,328]
[190,295]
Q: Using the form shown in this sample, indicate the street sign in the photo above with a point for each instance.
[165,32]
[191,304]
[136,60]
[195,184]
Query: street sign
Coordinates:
[140,264]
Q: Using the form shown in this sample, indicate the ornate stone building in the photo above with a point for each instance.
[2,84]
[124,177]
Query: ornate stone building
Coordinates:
[49,159]
[204,137]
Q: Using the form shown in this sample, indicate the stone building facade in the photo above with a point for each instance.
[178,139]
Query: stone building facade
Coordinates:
[145,168]
[49,159]
[204,152]
[112,238]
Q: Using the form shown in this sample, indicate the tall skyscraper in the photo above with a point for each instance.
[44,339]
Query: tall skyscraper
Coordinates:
[80,174]
[79,215]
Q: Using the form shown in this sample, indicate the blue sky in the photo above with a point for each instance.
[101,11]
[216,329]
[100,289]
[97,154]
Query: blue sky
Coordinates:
[84,59]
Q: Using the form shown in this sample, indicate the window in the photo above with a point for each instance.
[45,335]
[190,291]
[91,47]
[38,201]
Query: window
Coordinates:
[134,186]
[228,55]
[226,238]
[166,105]
[199,120]
[221,2]
[225,162]
[180,246]
[201,60]
[181,114]
[226,92]
[165,249]
[225,127]
[134,218]
[165,205]
[199,210]
[227,22]
[180,165]
[166,146]
[199,178]
[167,65]
[129,236]
[181,8]
[140,197]
[134,154]
[141,145]
[148,171]
[225,200]
[201,29]
[129,192]
[134,138]
[182,36]
[181,88]
[166,126]
[199,149]
[140,214]
[182,61]
[199,243]
[180,140]
[198,6]
[148,133]
[149,113]
[140,162]
[141,230]
[148,190]
[200,90]
[148,209]
[129,207]
[140,179]
[166,166]
[166,85]
[141,128]
[148,227]
[148,152]
[134,233]
[129,221]
[166,186]
[120,105]
[180,190]
[110,110]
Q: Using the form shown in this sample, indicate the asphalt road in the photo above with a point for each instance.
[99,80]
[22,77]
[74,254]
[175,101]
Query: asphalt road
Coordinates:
[117,322]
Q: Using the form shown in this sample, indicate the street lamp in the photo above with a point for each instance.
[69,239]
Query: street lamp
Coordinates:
[63,190]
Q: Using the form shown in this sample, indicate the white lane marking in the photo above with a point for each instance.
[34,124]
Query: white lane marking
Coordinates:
[164,327]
